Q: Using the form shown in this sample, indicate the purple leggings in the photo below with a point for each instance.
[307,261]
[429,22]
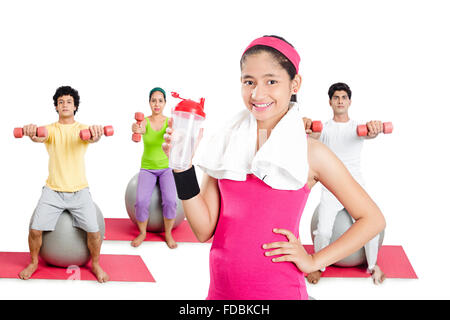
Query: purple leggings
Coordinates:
[146,183]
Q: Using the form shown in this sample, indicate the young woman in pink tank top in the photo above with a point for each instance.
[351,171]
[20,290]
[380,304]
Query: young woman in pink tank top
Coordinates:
[256,251]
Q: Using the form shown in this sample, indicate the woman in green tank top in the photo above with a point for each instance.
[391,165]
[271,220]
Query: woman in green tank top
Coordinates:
[154,166]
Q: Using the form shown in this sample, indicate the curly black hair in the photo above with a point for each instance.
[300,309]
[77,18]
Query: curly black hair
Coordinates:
[284,62]
[67,91]
[339,86]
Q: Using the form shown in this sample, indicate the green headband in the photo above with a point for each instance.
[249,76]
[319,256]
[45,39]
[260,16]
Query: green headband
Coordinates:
[157,89]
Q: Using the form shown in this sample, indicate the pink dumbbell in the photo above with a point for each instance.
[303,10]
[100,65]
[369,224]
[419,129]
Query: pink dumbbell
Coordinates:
[316,126]
[85,134]
[139,116]
[40,132]
[362,130]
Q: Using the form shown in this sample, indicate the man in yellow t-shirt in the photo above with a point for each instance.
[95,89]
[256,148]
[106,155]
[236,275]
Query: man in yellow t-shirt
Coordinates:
[66,187]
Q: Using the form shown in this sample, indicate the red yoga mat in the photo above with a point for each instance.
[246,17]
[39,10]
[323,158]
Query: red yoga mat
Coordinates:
[391,259]
[119,268]
[125,230]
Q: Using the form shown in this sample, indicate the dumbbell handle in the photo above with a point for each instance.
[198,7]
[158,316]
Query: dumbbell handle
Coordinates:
[41,132]
[85,134]
[362,129]
[139,117]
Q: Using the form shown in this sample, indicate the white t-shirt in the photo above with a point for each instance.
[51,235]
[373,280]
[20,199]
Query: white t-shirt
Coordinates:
[341,138]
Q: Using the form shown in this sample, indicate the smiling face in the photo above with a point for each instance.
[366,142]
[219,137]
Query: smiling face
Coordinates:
[267,88]
[65,107]
[157,103]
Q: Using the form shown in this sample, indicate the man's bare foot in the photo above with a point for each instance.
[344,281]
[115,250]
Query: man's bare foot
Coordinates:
[101,275]
[377,275]
[170,241]
[26,273]
[314,277]
[138,240]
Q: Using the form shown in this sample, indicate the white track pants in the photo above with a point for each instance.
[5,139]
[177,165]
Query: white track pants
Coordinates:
[328,209]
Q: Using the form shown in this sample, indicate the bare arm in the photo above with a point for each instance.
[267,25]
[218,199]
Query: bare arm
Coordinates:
[315,135]
[326,168]
[202,211]
[369,221]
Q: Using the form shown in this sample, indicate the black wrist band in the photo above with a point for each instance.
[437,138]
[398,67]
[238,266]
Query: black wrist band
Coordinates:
[187,185]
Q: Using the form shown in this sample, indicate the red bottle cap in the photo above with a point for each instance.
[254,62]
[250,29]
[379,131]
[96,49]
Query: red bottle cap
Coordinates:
[190,106]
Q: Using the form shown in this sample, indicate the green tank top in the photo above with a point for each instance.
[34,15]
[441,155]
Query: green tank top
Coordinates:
[154,157]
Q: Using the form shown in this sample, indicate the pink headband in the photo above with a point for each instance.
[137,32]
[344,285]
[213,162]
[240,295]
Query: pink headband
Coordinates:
[280,45]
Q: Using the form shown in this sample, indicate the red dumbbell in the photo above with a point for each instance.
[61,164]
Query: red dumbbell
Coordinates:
[139,116]
[85,134]
[362,130]
[41,132]
[316,126]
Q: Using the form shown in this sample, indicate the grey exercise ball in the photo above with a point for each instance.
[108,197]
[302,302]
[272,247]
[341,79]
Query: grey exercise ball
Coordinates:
[342,223]
[67,245]
[156,219]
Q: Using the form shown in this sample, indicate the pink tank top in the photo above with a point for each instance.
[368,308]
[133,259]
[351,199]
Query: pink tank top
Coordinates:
[239,269]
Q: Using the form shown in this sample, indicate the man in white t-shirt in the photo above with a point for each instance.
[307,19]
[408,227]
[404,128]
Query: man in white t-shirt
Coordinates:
[339,134]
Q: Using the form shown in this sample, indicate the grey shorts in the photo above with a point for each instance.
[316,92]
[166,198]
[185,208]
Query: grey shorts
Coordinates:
[53,203]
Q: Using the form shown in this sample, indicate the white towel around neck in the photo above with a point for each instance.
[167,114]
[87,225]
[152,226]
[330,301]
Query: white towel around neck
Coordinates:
[281,162]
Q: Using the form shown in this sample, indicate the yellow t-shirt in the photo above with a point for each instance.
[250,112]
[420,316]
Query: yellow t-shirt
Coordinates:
[66,169]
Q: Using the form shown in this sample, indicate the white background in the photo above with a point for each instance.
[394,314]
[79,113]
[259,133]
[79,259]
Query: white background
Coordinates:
[394,55]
